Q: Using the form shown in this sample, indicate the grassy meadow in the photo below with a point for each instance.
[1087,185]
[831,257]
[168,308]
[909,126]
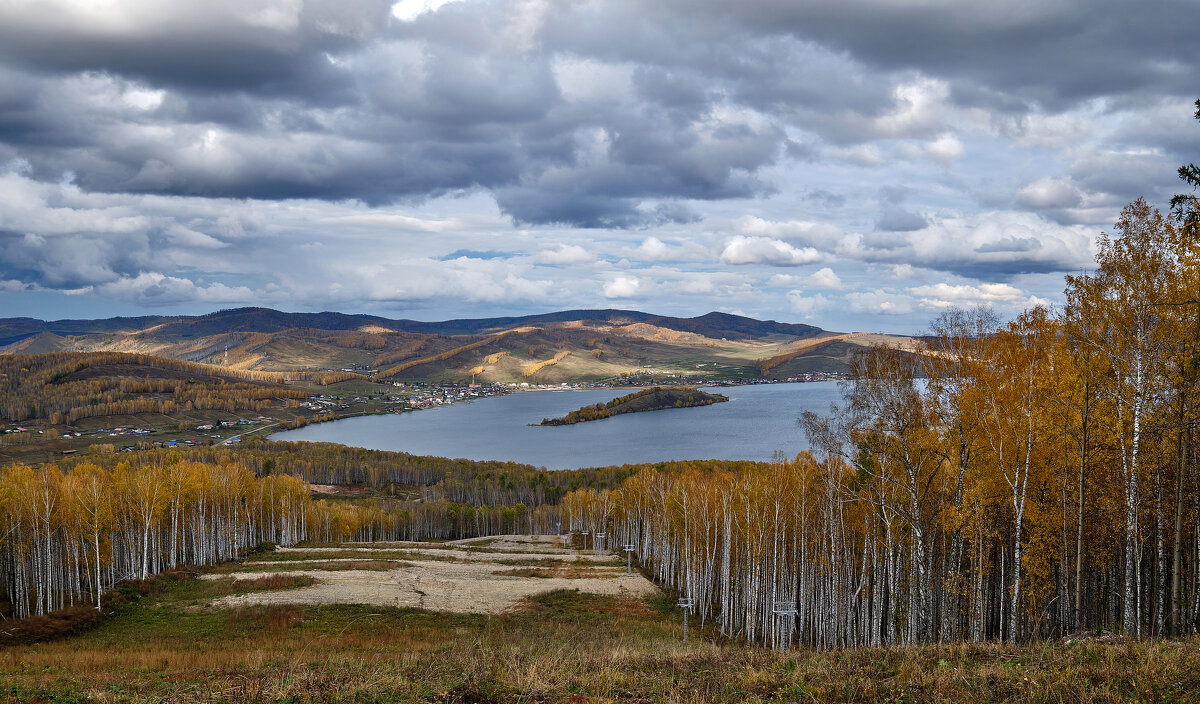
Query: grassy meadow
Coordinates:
[167,644]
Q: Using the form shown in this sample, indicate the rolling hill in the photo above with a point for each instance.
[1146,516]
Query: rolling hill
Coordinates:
[574,345]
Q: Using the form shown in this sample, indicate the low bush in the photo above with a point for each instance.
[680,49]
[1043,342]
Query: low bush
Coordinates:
[43,627]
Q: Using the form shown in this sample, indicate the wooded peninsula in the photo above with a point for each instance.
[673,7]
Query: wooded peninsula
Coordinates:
[652,399]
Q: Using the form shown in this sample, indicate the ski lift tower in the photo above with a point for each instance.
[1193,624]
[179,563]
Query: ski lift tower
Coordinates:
[687,605]
[785,611]
[599,546]
[628,559]
[585,534]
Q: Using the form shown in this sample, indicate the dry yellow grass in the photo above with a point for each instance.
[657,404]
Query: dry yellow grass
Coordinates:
[536,367]
[646,331]
[564,647]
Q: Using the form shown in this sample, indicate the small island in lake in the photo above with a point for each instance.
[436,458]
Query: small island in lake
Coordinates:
[652,399]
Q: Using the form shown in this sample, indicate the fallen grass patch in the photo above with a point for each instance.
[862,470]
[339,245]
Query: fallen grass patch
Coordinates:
[273,582]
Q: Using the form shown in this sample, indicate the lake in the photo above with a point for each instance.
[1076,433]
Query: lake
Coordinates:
[756,422]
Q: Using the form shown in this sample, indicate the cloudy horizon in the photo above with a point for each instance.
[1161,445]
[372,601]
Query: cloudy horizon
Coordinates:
[853,165]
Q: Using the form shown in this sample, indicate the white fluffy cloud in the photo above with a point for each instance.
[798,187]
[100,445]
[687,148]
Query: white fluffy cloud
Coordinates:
[944,295]
[653,249]
[155,289]
[825,278]
[621,287]
[879,302]
[409,10]
[992,244]
[1050,192]
[945,149]
[801,232]
[765,250]
[807,306]
[563,254]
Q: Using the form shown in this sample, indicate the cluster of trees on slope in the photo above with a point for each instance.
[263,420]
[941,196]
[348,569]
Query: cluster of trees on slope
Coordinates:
[1027,480]
[65,537]
[65,387]
[70,530]
[460,480]
[652,399]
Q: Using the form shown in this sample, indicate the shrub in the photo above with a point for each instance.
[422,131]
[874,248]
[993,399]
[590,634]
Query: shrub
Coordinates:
[43,627]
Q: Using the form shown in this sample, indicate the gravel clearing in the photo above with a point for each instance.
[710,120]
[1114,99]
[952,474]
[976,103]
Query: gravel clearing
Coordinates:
[439,585]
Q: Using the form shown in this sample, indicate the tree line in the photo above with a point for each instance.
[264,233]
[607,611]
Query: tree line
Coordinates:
[71,531]
[463,481]
[67,536]
[1027,480]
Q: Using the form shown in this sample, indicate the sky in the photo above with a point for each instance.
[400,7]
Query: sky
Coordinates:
[851,164]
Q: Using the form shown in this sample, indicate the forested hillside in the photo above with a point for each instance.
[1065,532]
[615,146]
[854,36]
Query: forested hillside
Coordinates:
[66,387]
[1041,480]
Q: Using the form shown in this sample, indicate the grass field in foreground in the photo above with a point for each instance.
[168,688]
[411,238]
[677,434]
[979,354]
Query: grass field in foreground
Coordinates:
[561,647]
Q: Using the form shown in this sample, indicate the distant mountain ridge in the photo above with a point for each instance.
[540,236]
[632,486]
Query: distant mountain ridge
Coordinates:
[269,320]
[546,348]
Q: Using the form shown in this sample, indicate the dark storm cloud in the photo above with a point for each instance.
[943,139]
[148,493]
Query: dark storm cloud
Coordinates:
[1010,244]
[896,219]
[256,45]
[1054,53]
[72,261]
[336,101]
[435,107]
[500,128]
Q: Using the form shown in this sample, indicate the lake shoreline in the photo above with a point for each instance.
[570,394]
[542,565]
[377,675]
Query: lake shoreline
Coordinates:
[759,420]
[701,385]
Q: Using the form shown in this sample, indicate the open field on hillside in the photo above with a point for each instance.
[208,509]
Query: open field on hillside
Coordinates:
[453,576]
[202,640]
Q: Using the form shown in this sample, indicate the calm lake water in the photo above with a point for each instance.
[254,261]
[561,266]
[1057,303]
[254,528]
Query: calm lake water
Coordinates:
[752,425]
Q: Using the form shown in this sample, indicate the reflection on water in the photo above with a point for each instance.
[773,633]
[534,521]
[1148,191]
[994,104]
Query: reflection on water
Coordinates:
[755,423]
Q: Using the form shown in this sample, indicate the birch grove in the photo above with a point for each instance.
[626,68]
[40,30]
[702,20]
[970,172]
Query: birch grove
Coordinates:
[67,535]
[1007,482]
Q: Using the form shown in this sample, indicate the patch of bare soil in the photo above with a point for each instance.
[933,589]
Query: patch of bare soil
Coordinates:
[487,583]
[338,489]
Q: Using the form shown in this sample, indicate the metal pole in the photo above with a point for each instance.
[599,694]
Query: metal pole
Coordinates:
[785,610]
[686,604]
[628,559]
